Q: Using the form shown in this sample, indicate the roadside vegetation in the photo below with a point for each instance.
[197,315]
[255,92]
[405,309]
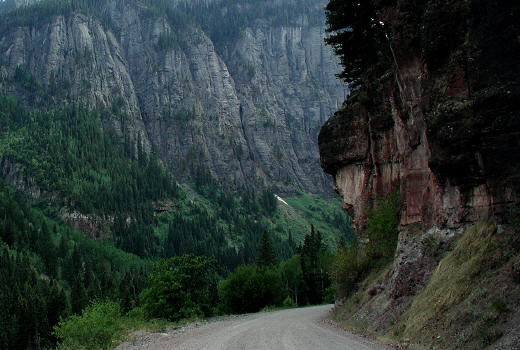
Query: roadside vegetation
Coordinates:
[469,302]
[163,252]
[188,287]
[475,287]
[355,261]
[51,272]
[57,285]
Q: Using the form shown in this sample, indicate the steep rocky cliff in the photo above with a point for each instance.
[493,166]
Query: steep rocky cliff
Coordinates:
[8,5]
[441,124]
[248,110]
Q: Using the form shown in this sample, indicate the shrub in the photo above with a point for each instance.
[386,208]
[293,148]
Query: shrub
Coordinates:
[292,279]
[430,245]
[288,302]
[181,287]
[382,230]
[97,327]
[348,269]
[352,263]
[250,288]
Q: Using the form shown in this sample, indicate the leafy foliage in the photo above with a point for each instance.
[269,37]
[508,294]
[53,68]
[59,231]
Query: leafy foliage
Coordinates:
[250,288]
[354,262]
[303,279]
[97,326]
[49,271]
[181,287]
[381,228]
[349,267]
[292,280]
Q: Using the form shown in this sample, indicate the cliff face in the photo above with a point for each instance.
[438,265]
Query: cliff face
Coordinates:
[441,125]
[249,113]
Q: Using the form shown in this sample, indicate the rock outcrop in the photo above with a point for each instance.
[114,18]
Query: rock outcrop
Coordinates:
[248,114]
[7,5]
[442,125]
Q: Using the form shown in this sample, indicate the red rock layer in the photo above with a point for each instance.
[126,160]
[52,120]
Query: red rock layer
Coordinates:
[443,123]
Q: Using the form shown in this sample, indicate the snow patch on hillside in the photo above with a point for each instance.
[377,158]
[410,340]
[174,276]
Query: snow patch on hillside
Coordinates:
[281,200]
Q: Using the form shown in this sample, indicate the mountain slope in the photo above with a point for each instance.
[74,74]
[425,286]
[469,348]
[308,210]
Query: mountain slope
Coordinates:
[101,185]
[247,107]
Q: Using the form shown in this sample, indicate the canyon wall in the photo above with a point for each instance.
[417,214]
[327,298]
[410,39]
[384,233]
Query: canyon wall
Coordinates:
[441,125]
[247,110]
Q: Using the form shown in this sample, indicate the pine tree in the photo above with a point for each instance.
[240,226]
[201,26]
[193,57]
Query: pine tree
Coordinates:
[266,254]
[314,274]
[357,37]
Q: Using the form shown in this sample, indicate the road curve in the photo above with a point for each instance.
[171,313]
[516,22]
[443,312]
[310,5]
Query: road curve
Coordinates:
[294,329]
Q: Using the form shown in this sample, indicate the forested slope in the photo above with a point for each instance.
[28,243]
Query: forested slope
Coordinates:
[49,271]
[237,87]
[137,130]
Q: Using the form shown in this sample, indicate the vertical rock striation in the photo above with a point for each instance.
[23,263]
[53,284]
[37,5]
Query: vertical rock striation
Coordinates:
[248,113]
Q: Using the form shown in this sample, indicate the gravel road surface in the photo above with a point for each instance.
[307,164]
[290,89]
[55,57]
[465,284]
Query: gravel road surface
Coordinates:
[294,329]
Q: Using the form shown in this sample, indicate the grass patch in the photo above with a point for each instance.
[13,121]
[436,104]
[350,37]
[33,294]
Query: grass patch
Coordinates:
[345,315]
[468,294]
[327,216]
[469,302]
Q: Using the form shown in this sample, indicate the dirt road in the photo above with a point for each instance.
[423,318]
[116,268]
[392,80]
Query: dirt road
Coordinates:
[294,329]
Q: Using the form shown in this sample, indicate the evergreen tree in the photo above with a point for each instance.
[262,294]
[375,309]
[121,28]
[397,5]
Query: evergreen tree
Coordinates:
[358,37]
[314,267]
[266,255]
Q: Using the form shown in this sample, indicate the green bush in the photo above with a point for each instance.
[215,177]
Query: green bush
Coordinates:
[292,279]
[430,245]
[349,267]
[250,288]
[382,230]
[181,287]
[353,263]
[288,302]
[96,328]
